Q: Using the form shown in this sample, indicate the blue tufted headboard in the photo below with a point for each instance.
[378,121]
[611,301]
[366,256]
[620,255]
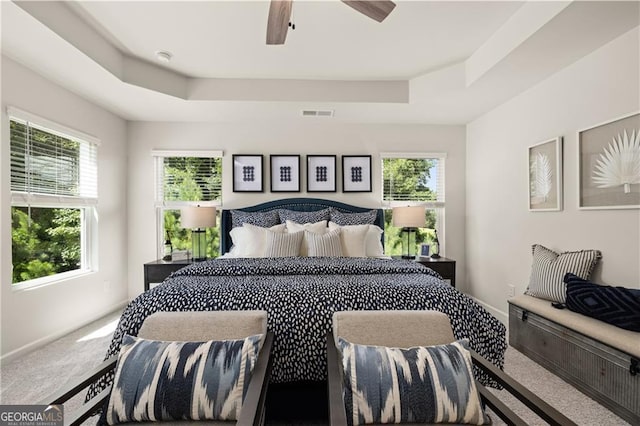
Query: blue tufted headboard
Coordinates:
[297,204]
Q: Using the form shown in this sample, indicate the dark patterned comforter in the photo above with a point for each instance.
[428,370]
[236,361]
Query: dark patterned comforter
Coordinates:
[301,295]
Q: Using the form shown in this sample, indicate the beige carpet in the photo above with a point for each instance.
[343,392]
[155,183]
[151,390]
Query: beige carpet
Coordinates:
[29,379]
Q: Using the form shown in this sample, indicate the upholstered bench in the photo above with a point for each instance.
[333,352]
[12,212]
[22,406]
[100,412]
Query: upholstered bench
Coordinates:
[599,359]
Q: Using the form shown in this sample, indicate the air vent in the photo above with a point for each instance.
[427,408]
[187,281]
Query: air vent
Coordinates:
[317,113]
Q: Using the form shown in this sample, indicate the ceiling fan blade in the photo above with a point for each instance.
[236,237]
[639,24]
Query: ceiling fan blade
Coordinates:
[278,23]
[377,10]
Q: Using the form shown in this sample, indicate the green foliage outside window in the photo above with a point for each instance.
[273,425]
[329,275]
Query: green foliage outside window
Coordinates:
[191,179]
[45,243]
[406,179]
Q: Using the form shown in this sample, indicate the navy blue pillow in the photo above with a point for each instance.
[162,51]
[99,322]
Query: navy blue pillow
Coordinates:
[617,306]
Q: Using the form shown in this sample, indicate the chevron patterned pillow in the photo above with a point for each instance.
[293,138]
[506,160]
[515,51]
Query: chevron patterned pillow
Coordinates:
[157,380]
[549,268]
[617,306]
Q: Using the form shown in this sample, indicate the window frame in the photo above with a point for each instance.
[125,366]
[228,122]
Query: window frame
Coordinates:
[86,204]
[162,205]
[439,206]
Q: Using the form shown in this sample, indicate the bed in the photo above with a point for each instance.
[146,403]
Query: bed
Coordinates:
[301,294]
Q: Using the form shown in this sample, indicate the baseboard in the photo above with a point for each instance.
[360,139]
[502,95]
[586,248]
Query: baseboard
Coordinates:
[29,347]
[502,316]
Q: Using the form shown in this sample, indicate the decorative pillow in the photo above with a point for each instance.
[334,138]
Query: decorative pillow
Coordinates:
[283,245]
[157,380]
[373,242]
[303,217]
[343,219]
[548,269]
[617,306]
[353,239]
[250,240]
[327,245]
[316,228]
[432,384]
[262,219]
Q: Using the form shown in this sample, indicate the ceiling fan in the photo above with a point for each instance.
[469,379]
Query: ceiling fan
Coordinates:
[280,15]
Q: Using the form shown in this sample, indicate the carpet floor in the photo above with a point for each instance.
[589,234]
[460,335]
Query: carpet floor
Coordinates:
[32,377]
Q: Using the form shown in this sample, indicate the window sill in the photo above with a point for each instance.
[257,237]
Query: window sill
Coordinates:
[37,283]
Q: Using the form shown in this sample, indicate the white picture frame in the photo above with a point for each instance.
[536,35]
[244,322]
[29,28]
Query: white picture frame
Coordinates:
[604,150]
[545,176]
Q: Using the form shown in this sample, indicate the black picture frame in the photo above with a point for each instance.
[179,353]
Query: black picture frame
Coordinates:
[356,173]
[321,173]
[248,172]
[285,173]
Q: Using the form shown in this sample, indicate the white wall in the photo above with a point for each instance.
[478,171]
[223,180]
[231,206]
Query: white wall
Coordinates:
[315,136]
[38,315]
[499,228]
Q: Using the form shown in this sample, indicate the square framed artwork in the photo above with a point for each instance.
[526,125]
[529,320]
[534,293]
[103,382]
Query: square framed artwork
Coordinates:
[356,173]
[247,173]
[285,173]
[545,176]
[321,173]
[609,164]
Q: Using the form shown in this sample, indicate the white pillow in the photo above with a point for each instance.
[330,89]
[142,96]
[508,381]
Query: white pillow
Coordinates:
[352,238]
[316,228]
[326,245]
[283,245]
[250,240]
[372,242]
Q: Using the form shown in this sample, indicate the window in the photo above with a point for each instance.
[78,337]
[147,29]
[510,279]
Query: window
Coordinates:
[186,178]
[54,192]
[413,179]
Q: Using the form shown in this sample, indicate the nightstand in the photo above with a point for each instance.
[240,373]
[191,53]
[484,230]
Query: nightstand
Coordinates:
[445,267]
[158,270]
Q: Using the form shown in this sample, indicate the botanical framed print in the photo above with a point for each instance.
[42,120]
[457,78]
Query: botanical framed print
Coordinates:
[321,173]
[545,176]
[247,173]
[285,173]
[609,164]
[356,173]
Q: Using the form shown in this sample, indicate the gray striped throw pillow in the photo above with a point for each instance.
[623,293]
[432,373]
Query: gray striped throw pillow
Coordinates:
[327,245]
[549,268]
[283,245]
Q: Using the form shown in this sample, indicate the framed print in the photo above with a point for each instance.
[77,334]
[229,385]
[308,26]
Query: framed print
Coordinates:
[424,249]
[356,173]
[609,165]
[285,173]
[545,176]
[247,173]
[321,173]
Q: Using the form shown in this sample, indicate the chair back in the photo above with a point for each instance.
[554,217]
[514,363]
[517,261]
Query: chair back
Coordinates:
[203,326]
[400,329]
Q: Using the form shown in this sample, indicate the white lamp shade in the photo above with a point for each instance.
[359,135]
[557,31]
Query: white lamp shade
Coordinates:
[409,216]
[198,217]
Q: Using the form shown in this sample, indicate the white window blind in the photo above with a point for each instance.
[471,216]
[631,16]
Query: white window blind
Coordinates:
[183,176]
[50,166]
[413,178]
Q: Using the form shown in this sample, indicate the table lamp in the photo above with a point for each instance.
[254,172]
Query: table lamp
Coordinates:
[197,219]
[408,218]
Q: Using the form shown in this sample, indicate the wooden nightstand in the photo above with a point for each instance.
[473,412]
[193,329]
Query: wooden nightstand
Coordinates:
[158,270]
[445,267]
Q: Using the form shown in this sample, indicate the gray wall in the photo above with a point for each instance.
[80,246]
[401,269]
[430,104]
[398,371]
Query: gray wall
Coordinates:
[37,315]
[499,228]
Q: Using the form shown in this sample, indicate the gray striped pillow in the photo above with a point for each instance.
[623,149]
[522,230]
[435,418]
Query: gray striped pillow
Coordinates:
[327,245]
[283,245]
[549,268]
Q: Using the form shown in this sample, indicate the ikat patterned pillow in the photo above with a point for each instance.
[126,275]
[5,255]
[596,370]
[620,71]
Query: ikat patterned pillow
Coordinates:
[156,380]
[303,217]
[432,384]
